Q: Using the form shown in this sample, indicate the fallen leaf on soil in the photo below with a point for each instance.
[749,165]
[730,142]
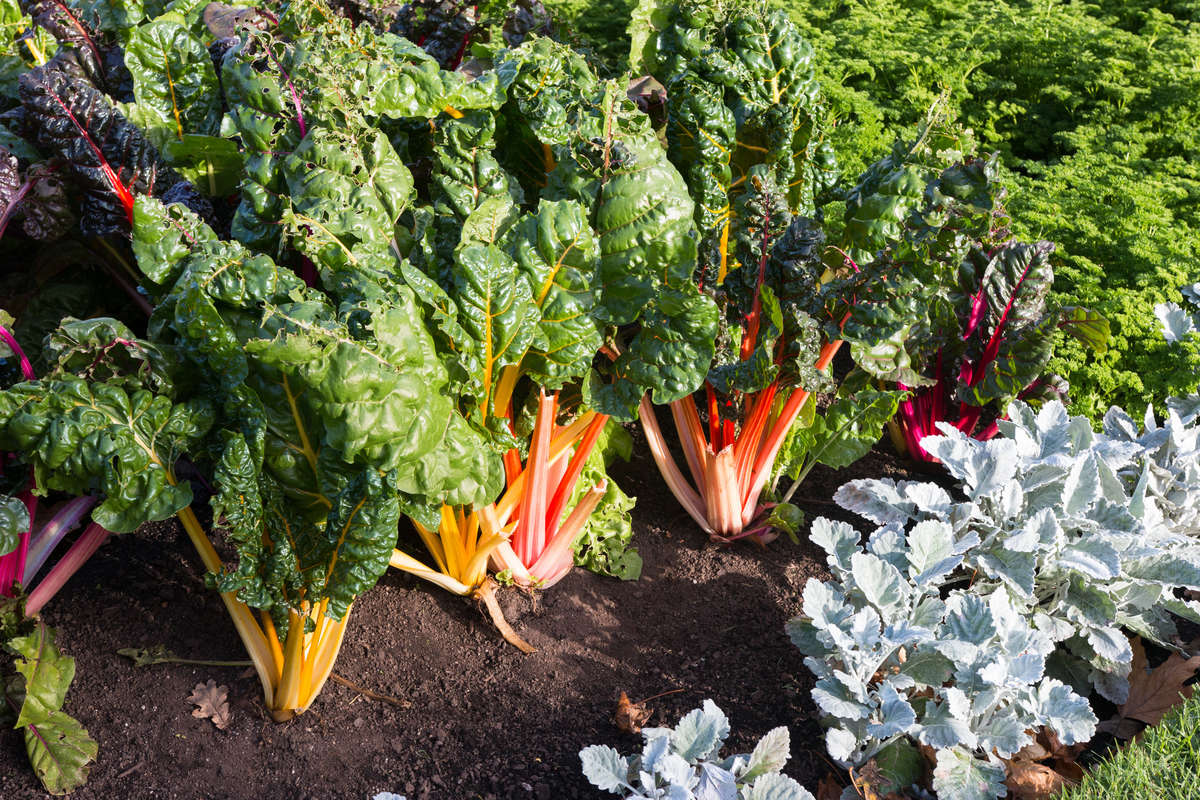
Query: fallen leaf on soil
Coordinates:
[1031,752]
[829,788]
[1028,780]
[1062,755]
[212,703]
[1152,692]
[1070,770]
[630,717]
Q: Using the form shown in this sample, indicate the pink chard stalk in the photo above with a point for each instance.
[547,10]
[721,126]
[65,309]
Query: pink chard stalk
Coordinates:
[19,567]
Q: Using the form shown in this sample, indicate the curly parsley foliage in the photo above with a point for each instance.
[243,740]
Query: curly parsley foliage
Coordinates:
[1093,109]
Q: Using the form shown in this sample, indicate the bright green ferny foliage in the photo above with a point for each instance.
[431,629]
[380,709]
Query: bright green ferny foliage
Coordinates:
[1093,108]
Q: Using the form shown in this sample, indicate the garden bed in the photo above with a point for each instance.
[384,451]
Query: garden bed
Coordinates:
[481,720]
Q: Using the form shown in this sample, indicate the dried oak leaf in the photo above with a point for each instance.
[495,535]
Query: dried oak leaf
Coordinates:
[212,702]
[1028,780]
[1152,692]
[630,717]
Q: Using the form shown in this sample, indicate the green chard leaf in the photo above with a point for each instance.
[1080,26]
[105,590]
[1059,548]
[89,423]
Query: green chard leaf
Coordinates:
[82,436]
[334,418]
[14,521]
[850,427]
[605,547]
[59,748]
[557,252]
[174,83]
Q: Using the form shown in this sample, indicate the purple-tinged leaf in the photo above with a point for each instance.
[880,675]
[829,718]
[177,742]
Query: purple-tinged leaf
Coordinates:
[107,155]
[61,22]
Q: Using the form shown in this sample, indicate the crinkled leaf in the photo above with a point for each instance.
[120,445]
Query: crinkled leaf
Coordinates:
[557,252]
[79,436]
[106,350]
[174,83]
[605,546]
[104,151]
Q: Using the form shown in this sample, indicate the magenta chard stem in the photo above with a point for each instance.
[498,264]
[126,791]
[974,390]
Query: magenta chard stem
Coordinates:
[83,549]
[53,532]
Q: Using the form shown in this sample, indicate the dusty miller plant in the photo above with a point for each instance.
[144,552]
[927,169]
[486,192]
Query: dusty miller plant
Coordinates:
[1178,324]
[684,764]
[966,624]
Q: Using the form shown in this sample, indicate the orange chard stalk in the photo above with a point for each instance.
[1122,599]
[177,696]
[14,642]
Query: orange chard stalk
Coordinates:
[538,552]
[728,476]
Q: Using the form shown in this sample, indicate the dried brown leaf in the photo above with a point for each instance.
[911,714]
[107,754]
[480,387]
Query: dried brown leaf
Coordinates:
[829,788]
[1070,770]
[1031,752]
[867,780]
[212,702]
[1028,780]
[1152,692]
[630,717]
[1057,750]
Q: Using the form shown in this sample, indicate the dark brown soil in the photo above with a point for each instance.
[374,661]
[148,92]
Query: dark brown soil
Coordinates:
[480,719]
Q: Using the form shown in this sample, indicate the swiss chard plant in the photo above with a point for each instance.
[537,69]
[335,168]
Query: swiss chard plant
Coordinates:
[684,763]
[524,258]
[745,128]
[453,30]
[949,306]
[106,352]
[331,422]
[965,624]
[332,414]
